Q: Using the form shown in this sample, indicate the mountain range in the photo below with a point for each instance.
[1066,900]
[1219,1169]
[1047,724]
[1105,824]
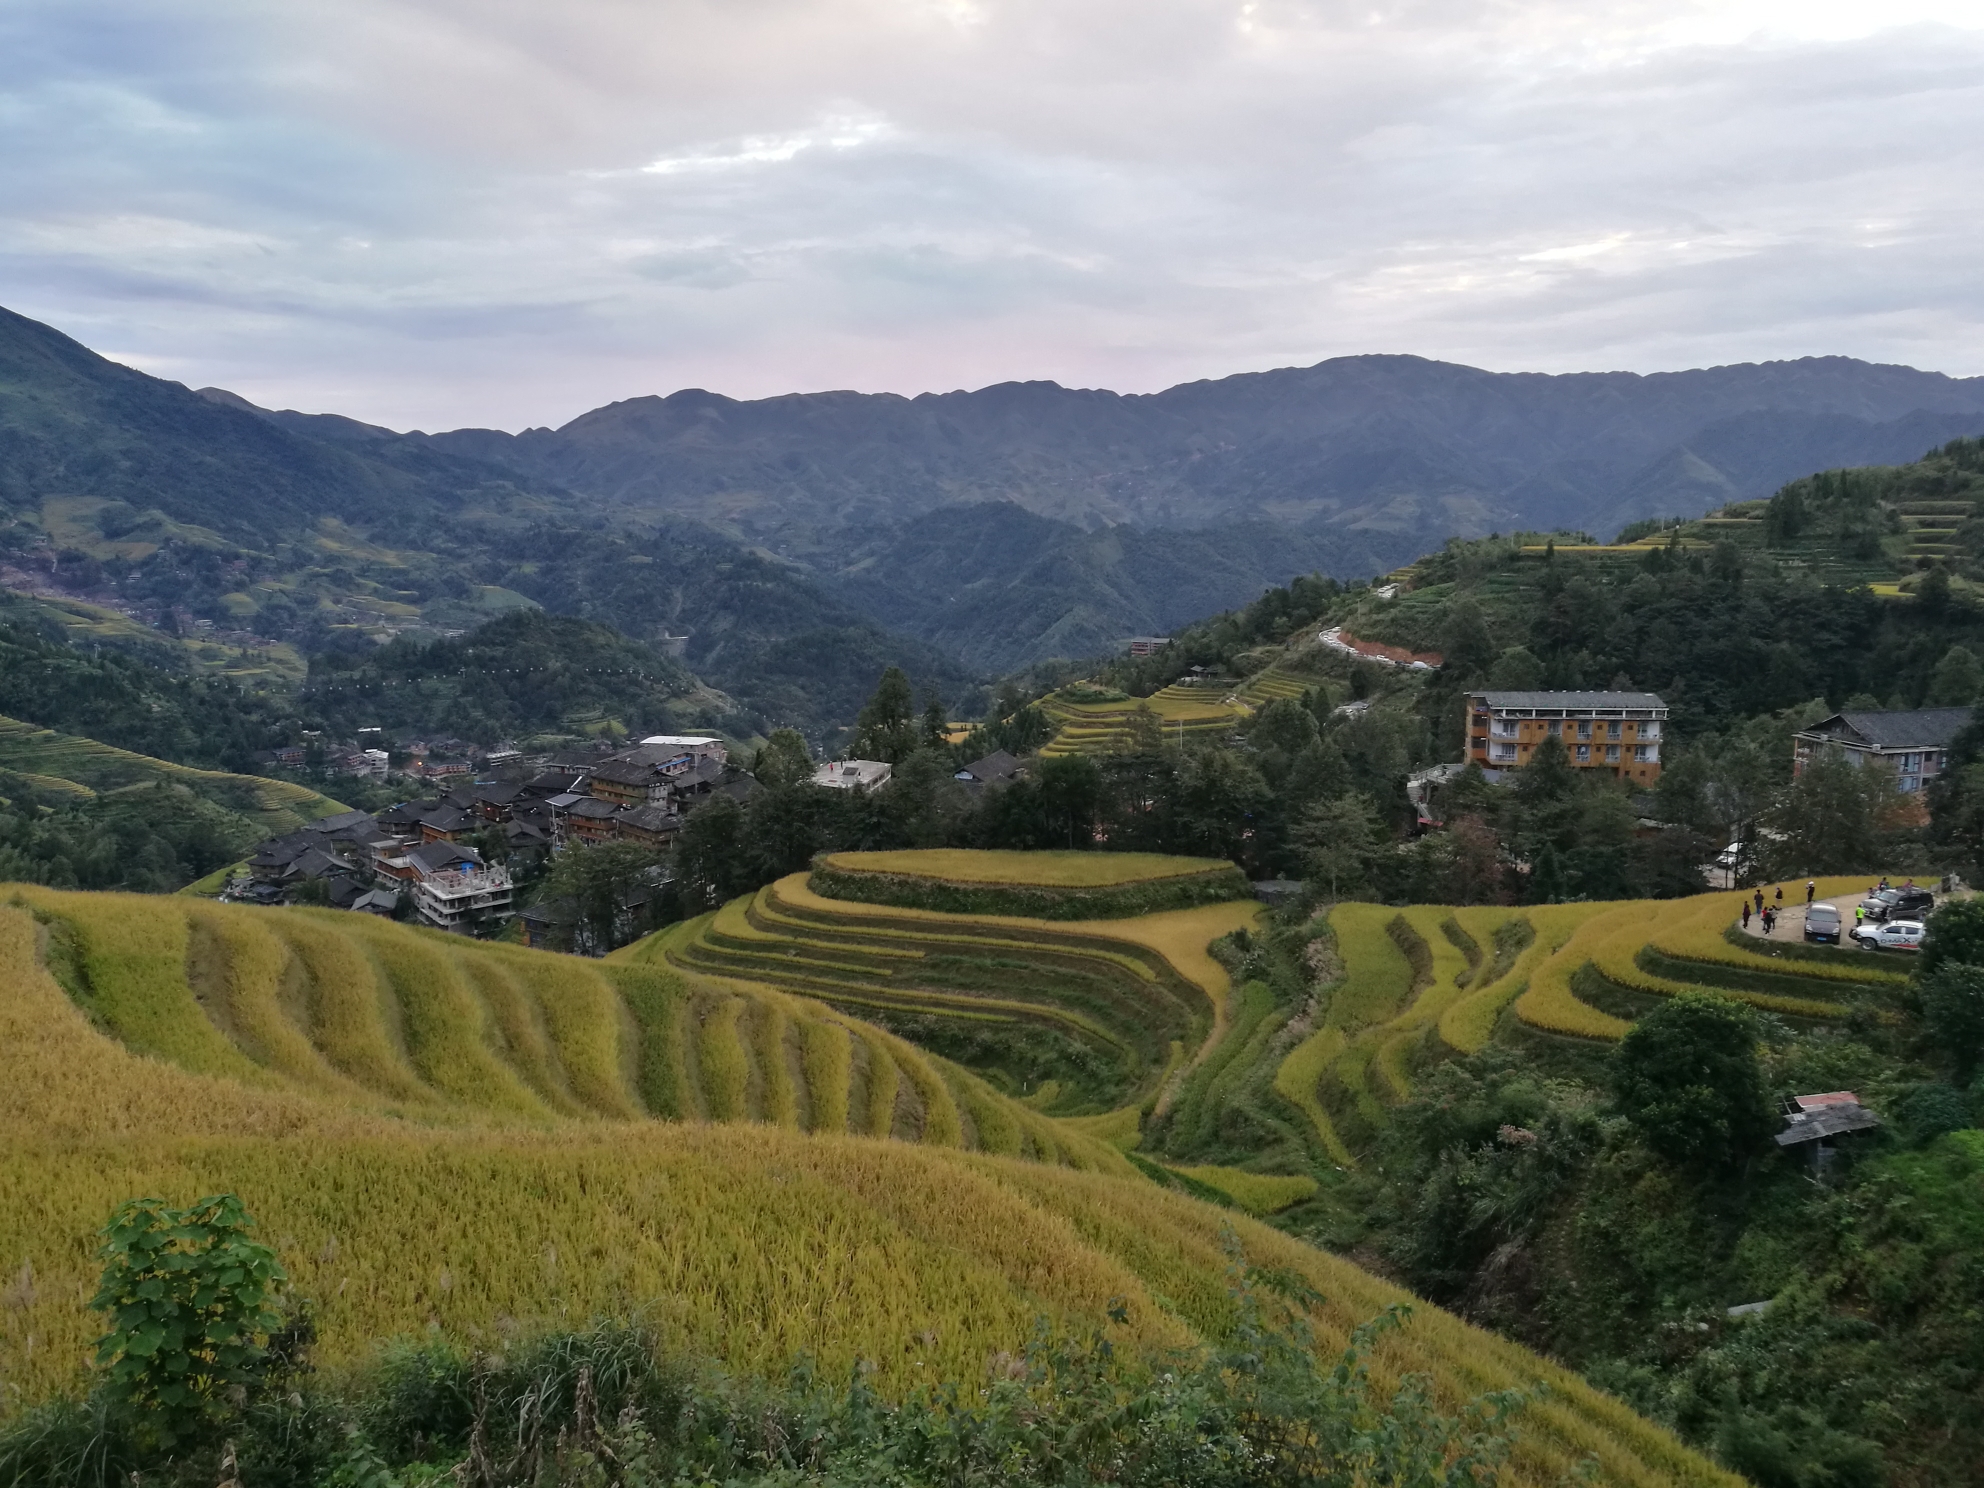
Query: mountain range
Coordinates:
[804,541]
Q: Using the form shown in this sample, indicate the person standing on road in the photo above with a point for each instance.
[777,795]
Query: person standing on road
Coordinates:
[1746,914]
[1859,915]
[1760,901]
[1779,896]
[1811,888]
[1770,919]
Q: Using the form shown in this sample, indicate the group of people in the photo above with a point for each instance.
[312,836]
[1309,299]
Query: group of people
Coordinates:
[1768,913]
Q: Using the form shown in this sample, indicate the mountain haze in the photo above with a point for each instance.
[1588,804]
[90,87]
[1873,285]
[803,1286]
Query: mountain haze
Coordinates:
[1351,466]
[804,541]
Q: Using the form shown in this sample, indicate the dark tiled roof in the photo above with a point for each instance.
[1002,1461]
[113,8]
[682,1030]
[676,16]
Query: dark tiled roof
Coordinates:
[625,772]
[1572,699]
[590,807]
[434,856]
[652,819]
[998,765]
[1917,728]
[341,822]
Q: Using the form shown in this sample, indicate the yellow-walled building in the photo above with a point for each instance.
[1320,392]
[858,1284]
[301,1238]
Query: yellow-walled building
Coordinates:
[1618,732]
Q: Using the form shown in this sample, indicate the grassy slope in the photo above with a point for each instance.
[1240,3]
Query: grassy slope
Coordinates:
[754,1241]
[273,805]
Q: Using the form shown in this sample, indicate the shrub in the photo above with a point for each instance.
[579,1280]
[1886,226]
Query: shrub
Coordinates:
[1688,1079]
[1956,933]
[189,1297]
[1952,1000]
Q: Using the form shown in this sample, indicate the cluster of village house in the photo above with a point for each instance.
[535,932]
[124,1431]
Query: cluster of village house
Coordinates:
[421,849]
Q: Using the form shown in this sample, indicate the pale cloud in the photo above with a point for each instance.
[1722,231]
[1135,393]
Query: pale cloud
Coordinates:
[430,212]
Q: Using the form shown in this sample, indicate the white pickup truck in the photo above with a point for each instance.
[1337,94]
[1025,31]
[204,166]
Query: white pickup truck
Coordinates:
[1895,935]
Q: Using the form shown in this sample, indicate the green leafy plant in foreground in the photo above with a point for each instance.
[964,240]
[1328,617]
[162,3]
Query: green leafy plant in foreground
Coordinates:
[190,1302]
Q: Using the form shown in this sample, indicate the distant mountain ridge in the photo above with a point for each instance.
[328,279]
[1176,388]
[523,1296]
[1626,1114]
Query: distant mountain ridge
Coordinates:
[1372,444]
[1003,526]
[1214,489]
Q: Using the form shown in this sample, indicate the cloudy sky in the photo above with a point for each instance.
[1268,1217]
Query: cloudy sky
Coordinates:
[431,213]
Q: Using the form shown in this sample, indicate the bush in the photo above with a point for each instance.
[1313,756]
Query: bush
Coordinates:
[1688,1079]
[189,1297]
[1952,1001]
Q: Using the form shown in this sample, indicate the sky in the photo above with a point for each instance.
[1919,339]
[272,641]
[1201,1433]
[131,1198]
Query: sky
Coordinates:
[434,213]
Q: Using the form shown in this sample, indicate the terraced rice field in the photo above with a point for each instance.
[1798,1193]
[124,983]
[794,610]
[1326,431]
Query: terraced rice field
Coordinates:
[1425,981]
[1069,870]
[387,1019]
[1626,955]
[296,1062]
[1266,686]
[274,806]
[1104,728]
[1135,999]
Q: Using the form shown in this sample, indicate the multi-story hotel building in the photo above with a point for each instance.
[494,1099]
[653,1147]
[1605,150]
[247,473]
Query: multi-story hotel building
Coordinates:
[1618,732]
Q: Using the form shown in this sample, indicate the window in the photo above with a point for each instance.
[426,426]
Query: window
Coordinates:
[1505,728]
[1907,783]
[1645,753]
[1612,729]
[1650,730]
[1584,730]
[1612,752]
[1584,754]
[1556,729]
[1505,751]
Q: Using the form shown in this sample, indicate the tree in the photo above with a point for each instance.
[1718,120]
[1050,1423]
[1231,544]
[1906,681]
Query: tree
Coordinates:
[1688,1079]
[1952,999]
[1146,731]
[602,885]
[1836,817]
[886,729]
[709,857]
[1516,670]
[1956,933]
[191,1305]
[1285,726]
[936,723]
[1958,679]
[784,760]
[1338,839]
[1467,647]
[1070,800]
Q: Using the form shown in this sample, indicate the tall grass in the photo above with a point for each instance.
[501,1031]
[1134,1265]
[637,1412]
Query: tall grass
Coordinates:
[132,953]
[826,1051]
[444,1022]
[583,1014]
[347,1008]
[726,1071]
[248,970]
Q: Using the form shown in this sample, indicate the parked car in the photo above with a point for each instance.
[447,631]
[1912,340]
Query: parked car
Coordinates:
[1822,923]
[1895,935]
[1907,903]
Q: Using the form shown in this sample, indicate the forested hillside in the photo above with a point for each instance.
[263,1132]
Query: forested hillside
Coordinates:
[143,496]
